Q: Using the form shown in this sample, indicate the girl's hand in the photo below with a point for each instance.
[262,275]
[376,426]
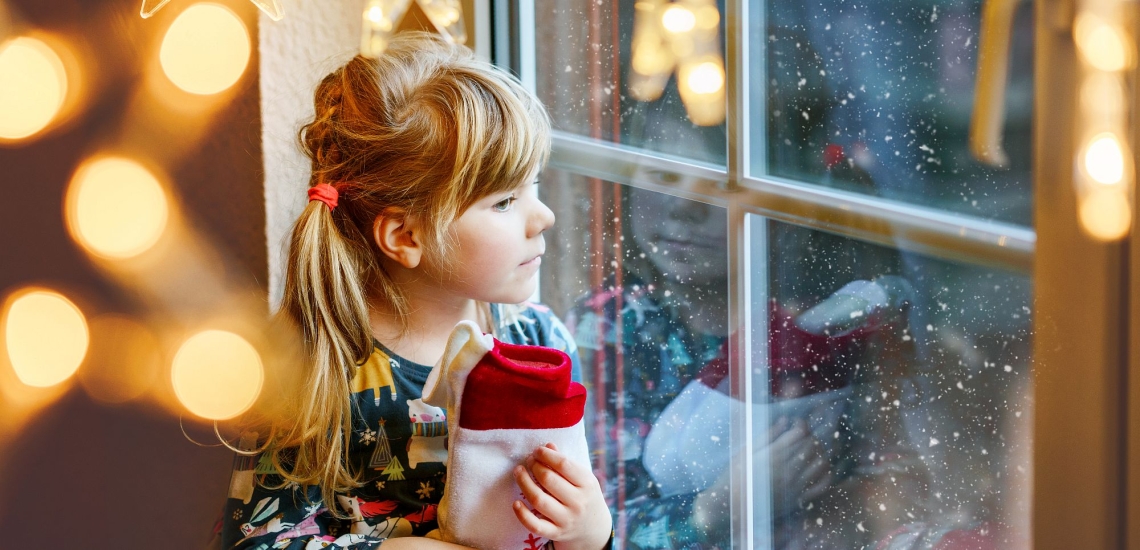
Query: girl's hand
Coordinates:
[571,509]
[419,543]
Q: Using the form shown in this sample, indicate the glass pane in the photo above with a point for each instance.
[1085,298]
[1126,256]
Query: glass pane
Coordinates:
[877,97]
[651,321]
[586,77]
[893,400]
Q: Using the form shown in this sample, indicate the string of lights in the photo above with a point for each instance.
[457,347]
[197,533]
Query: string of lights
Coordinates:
[1104,174]
[681,36]
[121,210]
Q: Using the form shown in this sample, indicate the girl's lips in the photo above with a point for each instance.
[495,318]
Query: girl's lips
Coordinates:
[691,240]
[537,260]
[672,243]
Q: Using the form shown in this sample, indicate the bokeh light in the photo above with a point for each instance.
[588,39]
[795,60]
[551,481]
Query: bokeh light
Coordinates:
[708,17]
[447,16]
[1103,94]
[124,361]
[1102,45]
[678,19]
[375,14]
[33,87]
[1105,213]
[1104,159]
[116,208]
[45,335]
[705,78]
[217,374]
[206,49]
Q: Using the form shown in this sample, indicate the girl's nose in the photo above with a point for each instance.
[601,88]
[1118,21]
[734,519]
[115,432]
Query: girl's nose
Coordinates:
[541,218]
[689,211]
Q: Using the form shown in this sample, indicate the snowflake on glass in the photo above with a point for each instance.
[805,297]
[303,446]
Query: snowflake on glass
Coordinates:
[368,436]
[425,490]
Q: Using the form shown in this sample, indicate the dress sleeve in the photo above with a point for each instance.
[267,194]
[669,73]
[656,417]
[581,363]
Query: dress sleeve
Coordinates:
[258,517]
[535,324]
[561,337]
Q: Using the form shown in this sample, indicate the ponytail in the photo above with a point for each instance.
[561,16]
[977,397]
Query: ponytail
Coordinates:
[326,298]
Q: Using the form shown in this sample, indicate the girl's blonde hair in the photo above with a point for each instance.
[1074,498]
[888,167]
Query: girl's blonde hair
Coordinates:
[428,129]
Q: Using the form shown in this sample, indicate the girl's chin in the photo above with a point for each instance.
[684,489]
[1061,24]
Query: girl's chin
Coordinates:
[516,294]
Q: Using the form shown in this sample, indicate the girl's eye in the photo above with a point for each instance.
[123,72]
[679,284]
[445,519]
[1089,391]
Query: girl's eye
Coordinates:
[504,205]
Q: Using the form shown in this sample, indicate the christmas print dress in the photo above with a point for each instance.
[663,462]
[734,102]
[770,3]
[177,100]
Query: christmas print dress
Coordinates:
[398,446]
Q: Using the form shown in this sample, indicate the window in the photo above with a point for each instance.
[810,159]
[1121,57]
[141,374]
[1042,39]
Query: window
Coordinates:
[809,325]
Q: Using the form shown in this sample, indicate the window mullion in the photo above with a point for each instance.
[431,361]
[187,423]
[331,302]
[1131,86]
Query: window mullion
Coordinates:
[736,80]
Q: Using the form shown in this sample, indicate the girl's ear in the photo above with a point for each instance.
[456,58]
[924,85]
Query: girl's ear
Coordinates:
[397,237]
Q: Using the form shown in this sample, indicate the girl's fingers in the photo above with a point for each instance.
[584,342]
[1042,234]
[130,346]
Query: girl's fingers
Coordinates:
[554,483]
[571,471]
[533,523]
[544,503]
[817,490]
[814,471]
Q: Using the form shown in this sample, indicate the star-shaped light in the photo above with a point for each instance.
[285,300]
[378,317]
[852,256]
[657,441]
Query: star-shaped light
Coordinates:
[381,17]
[682,36]
[270,7]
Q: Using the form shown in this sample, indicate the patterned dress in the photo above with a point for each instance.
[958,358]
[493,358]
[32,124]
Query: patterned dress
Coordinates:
[397,446]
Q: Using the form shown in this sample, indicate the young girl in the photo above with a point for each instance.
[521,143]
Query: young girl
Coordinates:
[423,213]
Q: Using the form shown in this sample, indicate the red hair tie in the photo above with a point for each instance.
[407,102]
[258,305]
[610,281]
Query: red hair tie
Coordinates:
[325,193]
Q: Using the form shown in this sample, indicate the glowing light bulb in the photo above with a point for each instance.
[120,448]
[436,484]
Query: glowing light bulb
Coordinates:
[1105,213]
[374,14]
[217,374]
[706,78]
[206,49]
[33,86]
[116,208]
[1104,159]
[678,19]
[46,336]
[1102,45]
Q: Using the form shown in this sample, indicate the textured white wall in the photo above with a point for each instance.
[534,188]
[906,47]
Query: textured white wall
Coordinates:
[314,38]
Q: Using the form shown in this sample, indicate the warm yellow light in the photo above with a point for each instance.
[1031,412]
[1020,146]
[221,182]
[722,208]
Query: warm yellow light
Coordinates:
[708,17]
[1105,213]
[375,15]
[217,374]
[206,49]
[124,362]
[650,57]
[1104,159]
[706,78]
[33,86]
[116,208]
[46,336]
[1103,93]
[1102,45]
[678,19]
[446,15]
